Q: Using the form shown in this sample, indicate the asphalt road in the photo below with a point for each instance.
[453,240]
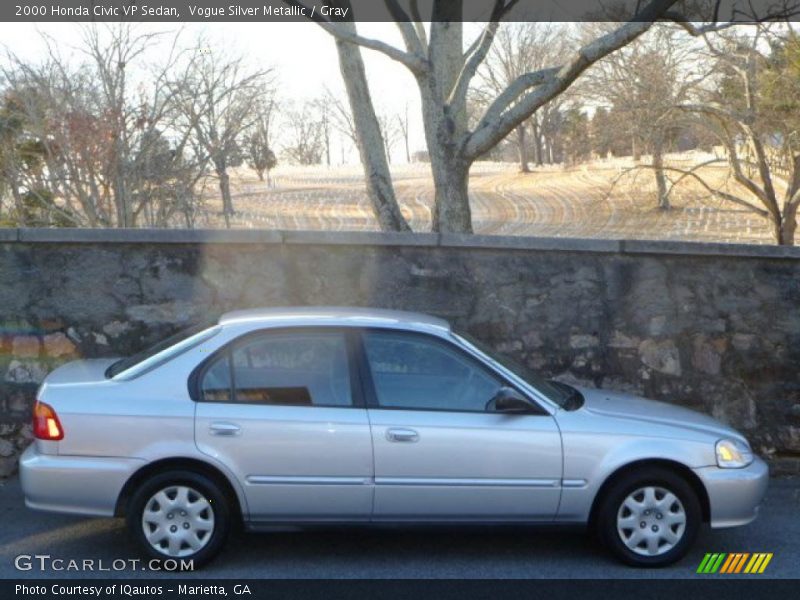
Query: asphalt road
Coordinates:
[373,553]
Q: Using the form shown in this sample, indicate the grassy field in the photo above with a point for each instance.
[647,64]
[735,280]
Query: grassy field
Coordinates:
[599,200]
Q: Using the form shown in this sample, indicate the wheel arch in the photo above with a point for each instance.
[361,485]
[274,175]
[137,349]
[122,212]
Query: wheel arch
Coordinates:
[676,467]
[179,463]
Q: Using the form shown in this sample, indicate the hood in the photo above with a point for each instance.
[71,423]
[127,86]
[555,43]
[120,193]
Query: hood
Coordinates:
[628,406]
[80,372]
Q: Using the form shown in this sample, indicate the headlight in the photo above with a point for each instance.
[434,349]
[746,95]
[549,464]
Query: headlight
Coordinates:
[733,454]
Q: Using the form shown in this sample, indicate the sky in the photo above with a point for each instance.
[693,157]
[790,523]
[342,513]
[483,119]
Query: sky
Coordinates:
[303,55]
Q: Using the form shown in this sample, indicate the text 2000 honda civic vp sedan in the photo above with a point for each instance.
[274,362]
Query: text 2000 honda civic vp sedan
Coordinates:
[303,416]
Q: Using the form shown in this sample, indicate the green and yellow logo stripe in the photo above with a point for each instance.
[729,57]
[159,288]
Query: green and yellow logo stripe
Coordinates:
[734,562]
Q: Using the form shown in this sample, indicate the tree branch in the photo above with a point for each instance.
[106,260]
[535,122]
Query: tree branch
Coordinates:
[711,190]
[420,28]
[516,89]
[494,128]
[413,62]
[477,53]
[789,11]
[693,29]
[407,29]
[766,194]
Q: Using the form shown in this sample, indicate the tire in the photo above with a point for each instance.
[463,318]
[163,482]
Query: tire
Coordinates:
[179,515]
[645,505]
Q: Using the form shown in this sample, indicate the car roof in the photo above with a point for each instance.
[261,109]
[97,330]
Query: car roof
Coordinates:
[336,315]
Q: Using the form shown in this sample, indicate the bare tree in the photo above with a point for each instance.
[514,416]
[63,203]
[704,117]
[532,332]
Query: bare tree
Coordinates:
[404,127]
[216,97]
[753,113]
[521,48]
[260,154]
[644,84]
[369,140]
[304,136]
[341,122]
[390,131]
[444,72]
[340,116]
[322,110]
[23,173]
[105,157]
[546,131]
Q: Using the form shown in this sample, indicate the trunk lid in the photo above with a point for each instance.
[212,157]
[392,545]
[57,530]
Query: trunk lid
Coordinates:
[80,372]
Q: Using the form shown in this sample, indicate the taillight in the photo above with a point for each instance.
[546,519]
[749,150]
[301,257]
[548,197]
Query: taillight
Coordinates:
[46,425]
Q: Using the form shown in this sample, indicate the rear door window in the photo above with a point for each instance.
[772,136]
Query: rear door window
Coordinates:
[285,369]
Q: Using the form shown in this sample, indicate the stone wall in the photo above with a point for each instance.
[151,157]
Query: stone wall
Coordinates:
[712,327]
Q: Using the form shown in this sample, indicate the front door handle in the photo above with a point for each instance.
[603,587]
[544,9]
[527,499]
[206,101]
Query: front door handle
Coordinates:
[224,428]
[402,435]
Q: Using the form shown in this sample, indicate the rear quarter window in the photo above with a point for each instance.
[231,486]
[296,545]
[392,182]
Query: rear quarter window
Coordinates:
[163,351]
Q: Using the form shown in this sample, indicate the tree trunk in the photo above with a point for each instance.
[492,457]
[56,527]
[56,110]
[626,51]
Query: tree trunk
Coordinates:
[444,126]
[260,174]
[789,225]
[658,170]
[522,144]
[225,192]
[451,211]
[121,197]
[19,205]
[371,146]
[785,230]
[538,151]
[635,150]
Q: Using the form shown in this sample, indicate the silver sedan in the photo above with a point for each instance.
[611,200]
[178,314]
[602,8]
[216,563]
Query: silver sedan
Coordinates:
[334,415]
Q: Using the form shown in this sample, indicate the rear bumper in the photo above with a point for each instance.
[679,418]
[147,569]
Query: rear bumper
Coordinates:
[735,494]
[84,485]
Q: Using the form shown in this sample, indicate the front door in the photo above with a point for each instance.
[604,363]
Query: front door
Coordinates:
[277,408]
[439,455]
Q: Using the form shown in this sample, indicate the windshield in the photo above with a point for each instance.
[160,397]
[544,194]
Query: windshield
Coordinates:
[558,393]
[163,350]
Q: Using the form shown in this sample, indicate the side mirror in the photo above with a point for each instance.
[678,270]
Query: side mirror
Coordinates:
[509,400]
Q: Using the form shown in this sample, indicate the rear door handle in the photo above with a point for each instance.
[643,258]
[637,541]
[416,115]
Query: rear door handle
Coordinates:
[224,428]
[402,435]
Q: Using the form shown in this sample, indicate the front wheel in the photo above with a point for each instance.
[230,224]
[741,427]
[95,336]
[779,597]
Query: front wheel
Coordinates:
[649,518]
[179,515]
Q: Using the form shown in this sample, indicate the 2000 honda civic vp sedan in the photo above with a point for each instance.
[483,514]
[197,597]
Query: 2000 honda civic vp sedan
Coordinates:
[337,415]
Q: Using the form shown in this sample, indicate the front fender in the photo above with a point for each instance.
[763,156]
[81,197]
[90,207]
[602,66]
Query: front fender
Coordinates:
[590,459]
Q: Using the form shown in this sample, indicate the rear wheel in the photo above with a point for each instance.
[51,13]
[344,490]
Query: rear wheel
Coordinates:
[649,518]
[179,515]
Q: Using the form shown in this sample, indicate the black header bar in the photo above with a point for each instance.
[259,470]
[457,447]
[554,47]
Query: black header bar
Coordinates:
[169,588]
[386,10]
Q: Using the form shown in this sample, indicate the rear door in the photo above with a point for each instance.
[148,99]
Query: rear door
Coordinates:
[439,454]
[280,410]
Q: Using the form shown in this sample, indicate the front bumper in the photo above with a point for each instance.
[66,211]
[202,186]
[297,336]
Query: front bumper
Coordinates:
[85,485]
[734,494]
